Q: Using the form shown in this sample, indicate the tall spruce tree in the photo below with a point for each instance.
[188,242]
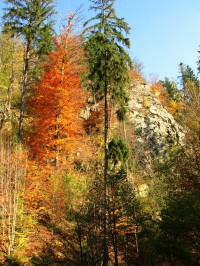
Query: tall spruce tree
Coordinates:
[109,65]
[187,74]
[32,19]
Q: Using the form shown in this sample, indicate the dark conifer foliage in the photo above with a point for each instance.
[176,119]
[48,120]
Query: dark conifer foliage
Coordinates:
[32,19]
[108,60]
[187,74]
[109,66]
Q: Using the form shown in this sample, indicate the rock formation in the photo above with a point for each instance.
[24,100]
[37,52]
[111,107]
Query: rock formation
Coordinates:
[155,128]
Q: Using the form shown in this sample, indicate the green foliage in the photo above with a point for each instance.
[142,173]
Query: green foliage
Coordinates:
[11,65]
[13,260]
[109,62]
[187,74]
[180,227]
[31,19]
[171,89]
[6,56]
[177,238]
[41,260]
[122,111]
[118,150]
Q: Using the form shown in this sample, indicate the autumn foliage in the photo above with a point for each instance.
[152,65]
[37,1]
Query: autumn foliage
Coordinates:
[57,101]
[136,76]
[74,189]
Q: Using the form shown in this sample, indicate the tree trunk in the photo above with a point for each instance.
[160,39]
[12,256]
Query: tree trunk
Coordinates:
[115,240]
[106,196]
[10,174]
[80,244]
[23,91]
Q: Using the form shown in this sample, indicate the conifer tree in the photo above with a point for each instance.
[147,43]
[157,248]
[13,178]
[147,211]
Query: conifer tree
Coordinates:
[109,66]
[32,20]
[172,89]
[187,74]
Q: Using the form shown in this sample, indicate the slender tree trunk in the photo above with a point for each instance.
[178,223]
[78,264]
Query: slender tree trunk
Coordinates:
[10,199]
[80,243]
[23,91]
[3,192]
[106,127]
[11,171]
[115,242]
[106,195]
[136,237]
[9,91]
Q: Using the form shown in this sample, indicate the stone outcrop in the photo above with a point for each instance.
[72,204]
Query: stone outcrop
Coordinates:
[155,128]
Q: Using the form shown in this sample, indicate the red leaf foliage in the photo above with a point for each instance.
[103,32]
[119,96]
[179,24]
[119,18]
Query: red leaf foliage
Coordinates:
[57,101]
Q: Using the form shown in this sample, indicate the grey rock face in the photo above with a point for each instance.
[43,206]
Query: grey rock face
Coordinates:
[155,128]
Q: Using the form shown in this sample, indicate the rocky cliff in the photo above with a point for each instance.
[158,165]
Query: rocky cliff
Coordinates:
[154,127]
[150,128]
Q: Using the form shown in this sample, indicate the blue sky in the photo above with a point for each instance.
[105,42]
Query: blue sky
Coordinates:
[163,32]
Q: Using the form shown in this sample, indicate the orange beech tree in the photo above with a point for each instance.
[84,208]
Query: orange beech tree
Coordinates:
[57,101]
